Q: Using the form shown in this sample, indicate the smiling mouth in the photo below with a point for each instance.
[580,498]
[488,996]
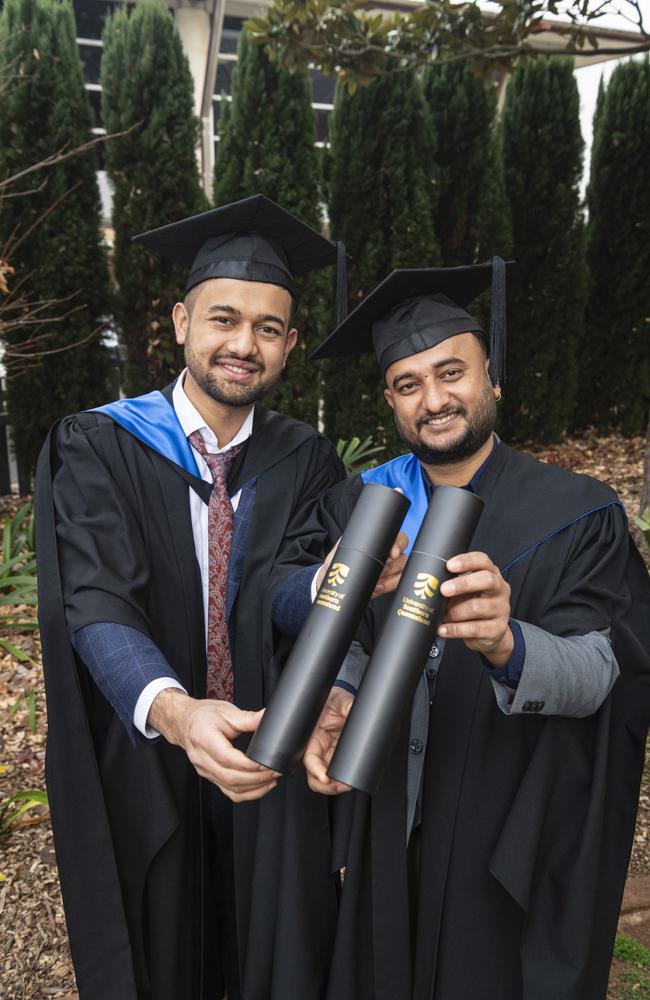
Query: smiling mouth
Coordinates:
[237,369]
[438,421]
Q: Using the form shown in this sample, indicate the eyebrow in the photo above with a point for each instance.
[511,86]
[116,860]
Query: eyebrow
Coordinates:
[270,318]
[438,364]
[261,318]
[227,309]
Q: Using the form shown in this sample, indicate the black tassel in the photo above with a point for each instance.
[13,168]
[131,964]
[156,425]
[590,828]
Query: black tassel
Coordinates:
[341,282]
[498,322]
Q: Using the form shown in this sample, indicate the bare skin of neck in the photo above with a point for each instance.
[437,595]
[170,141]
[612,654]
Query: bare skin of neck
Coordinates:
[223,420]
[459,473]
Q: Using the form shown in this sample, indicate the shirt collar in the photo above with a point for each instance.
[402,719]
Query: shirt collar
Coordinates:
[472,485]
[191,420]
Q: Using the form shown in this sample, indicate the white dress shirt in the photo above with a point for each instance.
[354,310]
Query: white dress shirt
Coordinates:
[191,420]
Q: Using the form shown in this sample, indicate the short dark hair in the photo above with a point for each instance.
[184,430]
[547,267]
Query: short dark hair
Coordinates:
[483,341]
[189,299]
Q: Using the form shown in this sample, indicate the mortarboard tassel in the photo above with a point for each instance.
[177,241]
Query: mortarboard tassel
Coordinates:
[498,322]
[341,282]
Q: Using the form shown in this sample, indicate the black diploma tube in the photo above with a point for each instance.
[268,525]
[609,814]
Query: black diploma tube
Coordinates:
[399,657]
[325,637]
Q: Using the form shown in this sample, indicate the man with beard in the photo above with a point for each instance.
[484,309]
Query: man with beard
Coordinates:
[159,519]
[491,861]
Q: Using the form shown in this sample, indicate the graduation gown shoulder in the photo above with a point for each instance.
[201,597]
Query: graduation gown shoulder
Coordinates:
[115,543]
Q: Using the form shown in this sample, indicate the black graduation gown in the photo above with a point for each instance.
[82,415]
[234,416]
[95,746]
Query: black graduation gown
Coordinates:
[527,821]
[127,819]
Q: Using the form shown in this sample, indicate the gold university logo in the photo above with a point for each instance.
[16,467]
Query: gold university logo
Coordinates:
[337,574]
[425,585]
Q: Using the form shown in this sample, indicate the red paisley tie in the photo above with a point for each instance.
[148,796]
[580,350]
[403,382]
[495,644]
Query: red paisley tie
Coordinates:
[220,523]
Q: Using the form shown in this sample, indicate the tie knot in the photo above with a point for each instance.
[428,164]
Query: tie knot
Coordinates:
[219,463]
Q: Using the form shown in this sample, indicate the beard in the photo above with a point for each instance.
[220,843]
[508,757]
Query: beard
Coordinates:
[222,391]
[478,428]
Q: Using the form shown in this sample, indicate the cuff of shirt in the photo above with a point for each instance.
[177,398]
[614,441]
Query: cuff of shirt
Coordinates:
[345,686]
[314,584]
[510,673]
[293,600]
[145,701]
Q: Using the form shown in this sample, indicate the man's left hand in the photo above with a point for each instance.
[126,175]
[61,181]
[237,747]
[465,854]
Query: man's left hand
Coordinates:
[323,741]
[479,607]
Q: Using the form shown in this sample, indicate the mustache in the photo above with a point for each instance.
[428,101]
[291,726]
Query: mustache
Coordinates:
[222,356]
[447,412]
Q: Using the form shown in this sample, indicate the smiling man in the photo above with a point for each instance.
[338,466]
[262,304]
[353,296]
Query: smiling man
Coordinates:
[491,862]
[183,863]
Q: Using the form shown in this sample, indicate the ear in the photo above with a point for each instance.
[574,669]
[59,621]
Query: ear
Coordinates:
[181,320]
[289,344]
[388,396]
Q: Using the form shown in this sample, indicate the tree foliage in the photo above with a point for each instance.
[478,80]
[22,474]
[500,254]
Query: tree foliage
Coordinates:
[146,79]
[543,156]
[349,39]
[382,186]
[267,147]
[615,357]
[49,224]
[472,216]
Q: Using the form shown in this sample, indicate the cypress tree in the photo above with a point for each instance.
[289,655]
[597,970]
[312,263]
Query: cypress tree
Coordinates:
[472,217]
[615,359]
[146,79]
[543,159]
[46,109]
[267,147]
[382,197]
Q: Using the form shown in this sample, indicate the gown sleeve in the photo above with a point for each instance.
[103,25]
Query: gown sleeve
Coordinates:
[103,564]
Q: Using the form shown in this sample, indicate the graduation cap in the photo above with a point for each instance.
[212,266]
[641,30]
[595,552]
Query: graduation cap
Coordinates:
[251,240]
[414,309]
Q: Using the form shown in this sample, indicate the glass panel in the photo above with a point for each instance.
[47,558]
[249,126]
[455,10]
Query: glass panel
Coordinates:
[100,153]
[230,34]
[91,57]
[322,126]
[96,103]
[322,87]
[90,16]
[223,83]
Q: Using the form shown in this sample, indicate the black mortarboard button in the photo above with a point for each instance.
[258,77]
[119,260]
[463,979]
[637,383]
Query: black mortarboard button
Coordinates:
[252,240]
[414,309]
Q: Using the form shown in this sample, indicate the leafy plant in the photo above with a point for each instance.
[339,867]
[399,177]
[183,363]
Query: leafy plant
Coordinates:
[355,453]
[30,698]
[17,579]
[643,523]
[28,799]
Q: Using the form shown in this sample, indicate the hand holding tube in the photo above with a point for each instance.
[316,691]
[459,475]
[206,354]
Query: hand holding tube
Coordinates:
[400,653]
[479,607]
[325,638]
[323,741]
[390,574]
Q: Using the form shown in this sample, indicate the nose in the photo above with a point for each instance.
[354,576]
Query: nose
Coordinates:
[435,396]
[242,341]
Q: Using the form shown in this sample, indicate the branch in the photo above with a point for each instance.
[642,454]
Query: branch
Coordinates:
[23,194]
[8,353]
[37,222]
[349,40]
[61,155]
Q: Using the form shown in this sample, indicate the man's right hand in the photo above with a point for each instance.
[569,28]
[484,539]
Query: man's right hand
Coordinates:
[206,730]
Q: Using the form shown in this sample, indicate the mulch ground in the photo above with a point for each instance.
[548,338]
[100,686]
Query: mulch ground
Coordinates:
[34,956]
